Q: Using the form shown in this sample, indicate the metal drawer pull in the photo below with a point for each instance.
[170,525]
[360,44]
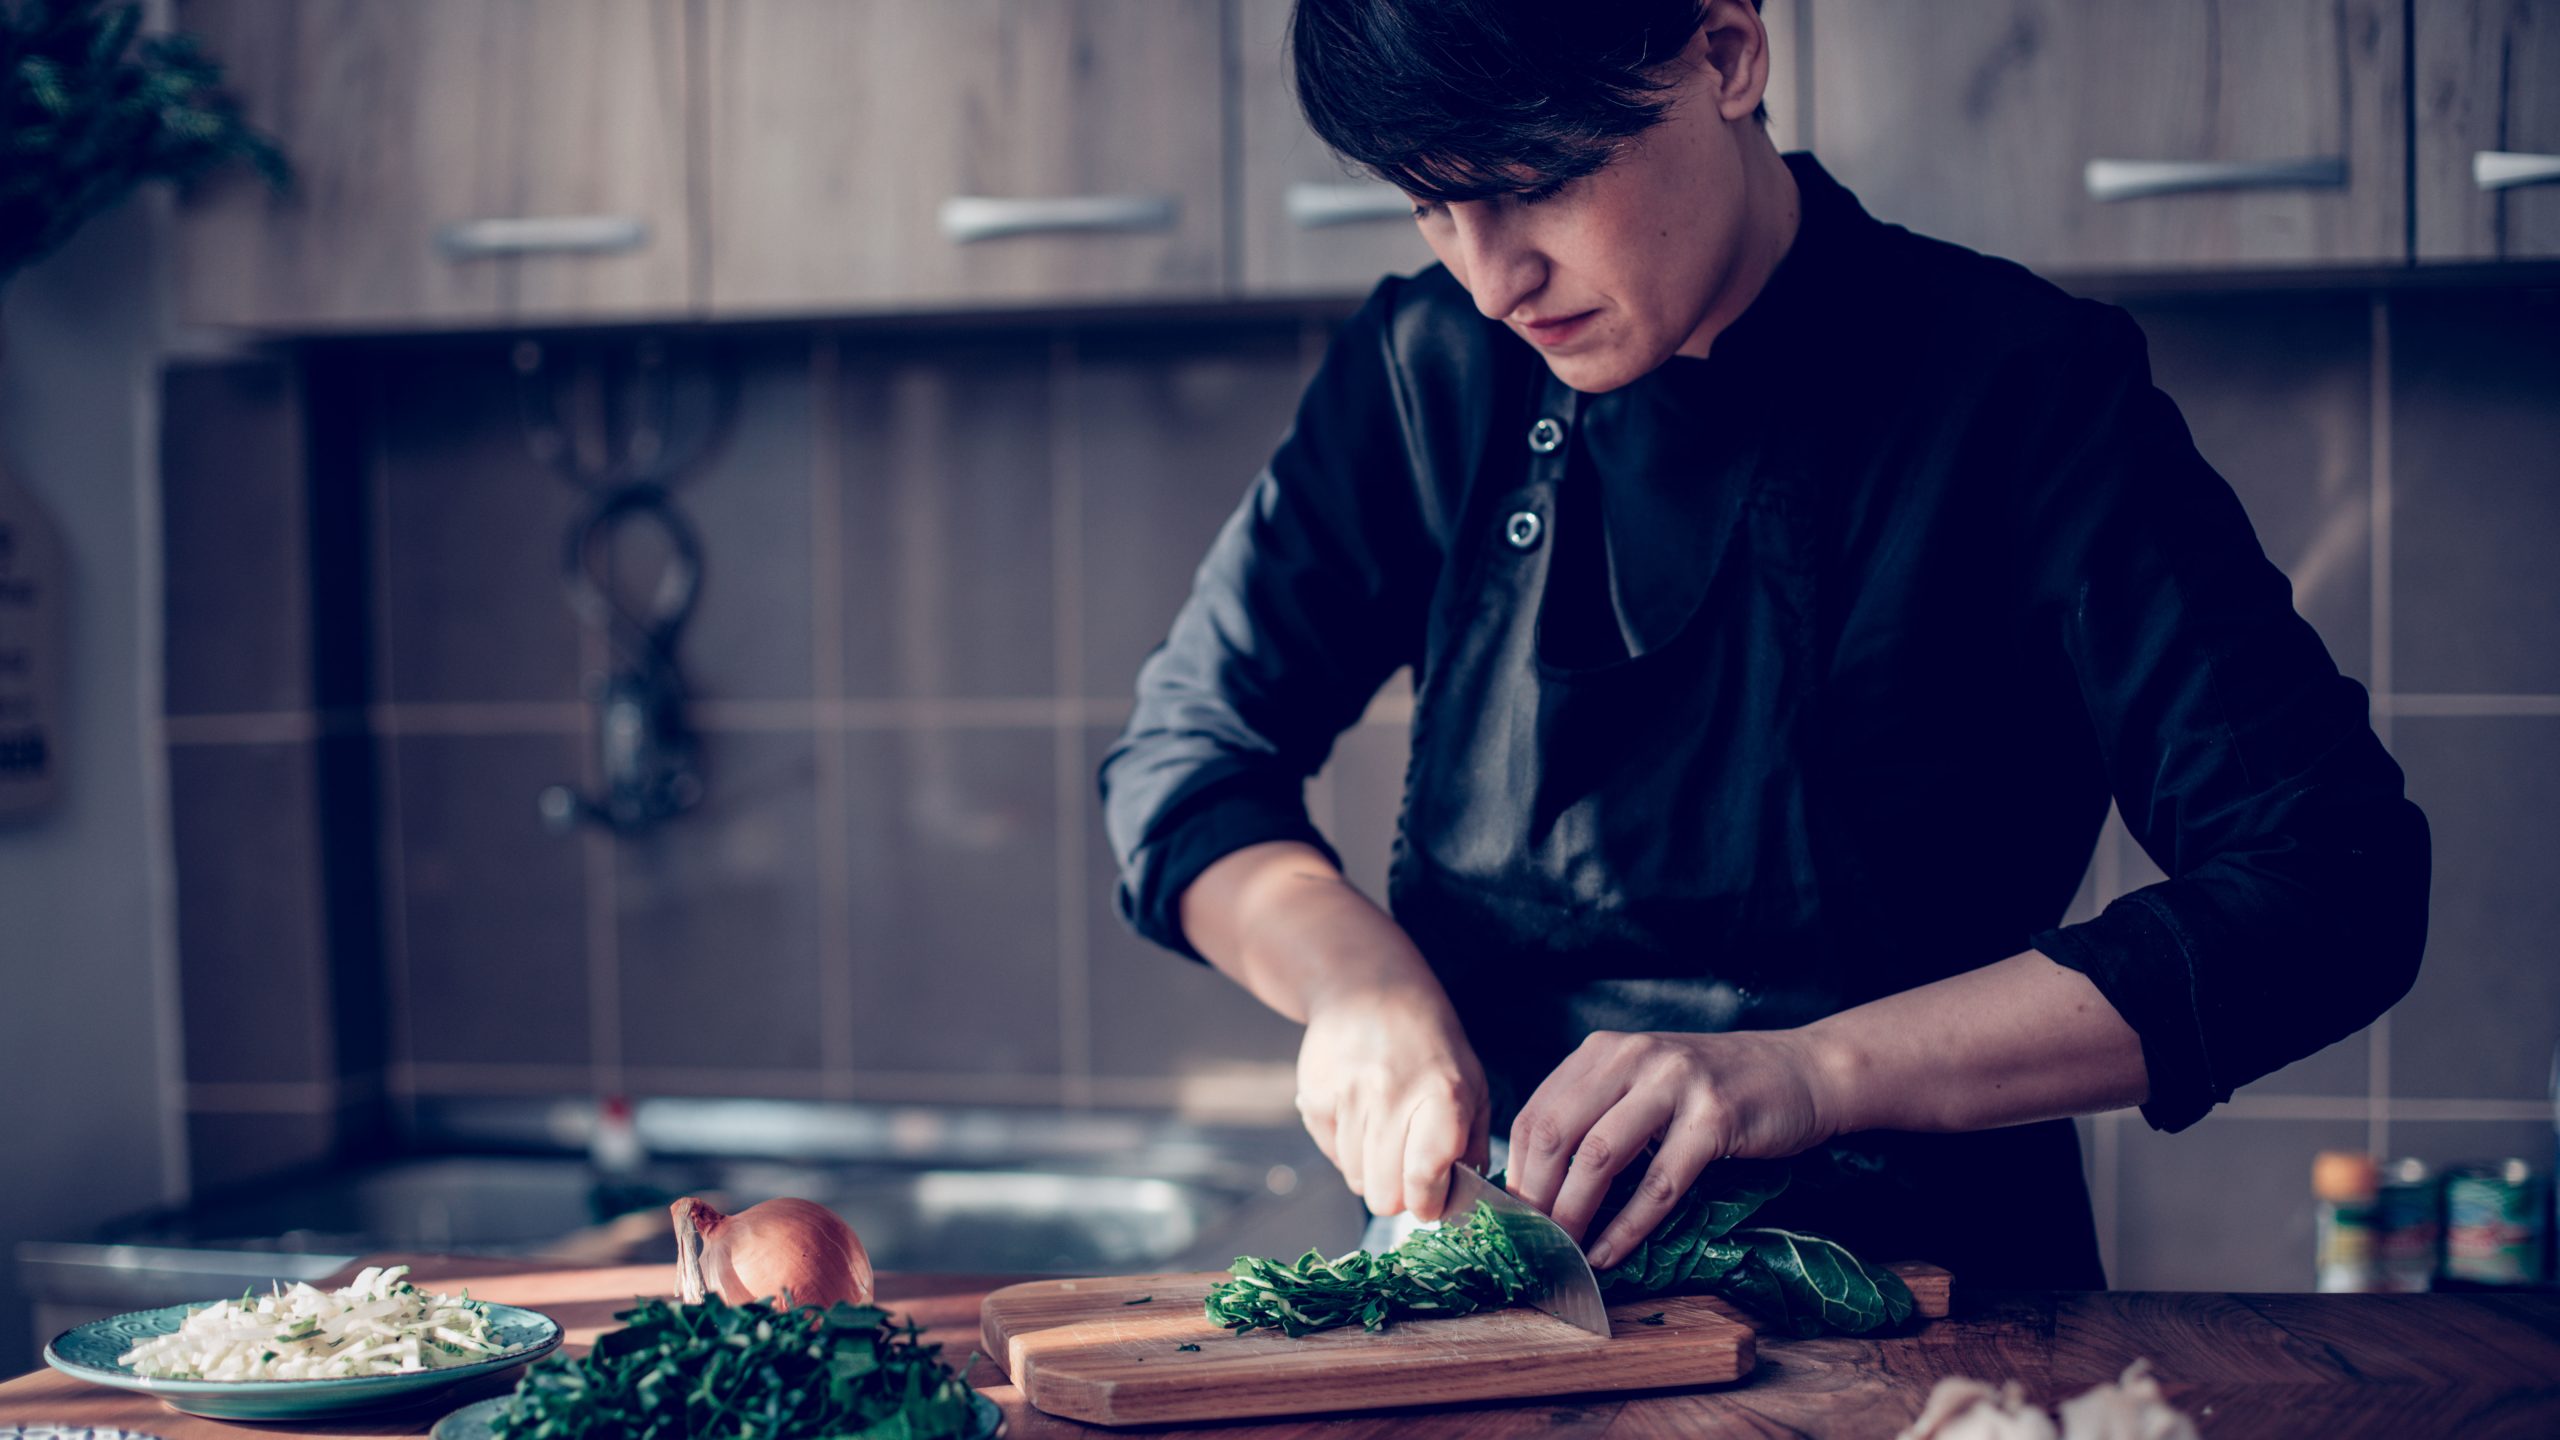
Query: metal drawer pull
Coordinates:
[2506,169]
[542,235]
[2135,179]
[967,218]
[1311,204]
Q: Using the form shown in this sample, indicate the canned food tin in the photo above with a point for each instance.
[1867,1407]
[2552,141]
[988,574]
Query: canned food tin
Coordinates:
[2407,1223]
[2493,1224]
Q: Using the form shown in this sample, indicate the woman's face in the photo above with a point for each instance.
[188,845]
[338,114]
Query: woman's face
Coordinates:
[1656,252]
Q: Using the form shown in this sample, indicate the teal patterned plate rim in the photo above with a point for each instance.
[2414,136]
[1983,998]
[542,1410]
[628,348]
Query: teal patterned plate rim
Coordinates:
[91,1352]
[477,1421]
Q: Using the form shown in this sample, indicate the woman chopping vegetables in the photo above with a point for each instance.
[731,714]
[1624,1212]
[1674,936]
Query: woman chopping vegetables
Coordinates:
[1786,596]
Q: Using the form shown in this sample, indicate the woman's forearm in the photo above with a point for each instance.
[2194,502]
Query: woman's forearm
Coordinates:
[1280,920]
[2024,1039]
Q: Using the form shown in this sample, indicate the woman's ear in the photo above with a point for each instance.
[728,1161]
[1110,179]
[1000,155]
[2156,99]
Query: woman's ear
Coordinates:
[1731,53]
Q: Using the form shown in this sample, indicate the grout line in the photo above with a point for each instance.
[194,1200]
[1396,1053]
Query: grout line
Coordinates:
[1027,712]
[2392,706]
[1066,514]
[2106,1171]
[597,849]
[159,881]
[393,863]
[276,1097]
[836,991]
[2378,1037]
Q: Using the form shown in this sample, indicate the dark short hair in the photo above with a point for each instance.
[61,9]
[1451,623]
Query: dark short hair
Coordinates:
[1461,99]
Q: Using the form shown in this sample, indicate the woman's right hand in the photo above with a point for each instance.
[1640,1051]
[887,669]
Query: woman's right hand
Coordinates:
[1393,1094]
[1387,1083]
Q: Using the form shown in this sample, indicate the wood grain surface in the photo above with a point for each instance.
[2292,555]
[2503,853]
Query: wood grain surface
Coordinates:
[2345,1366]
[1137,1350]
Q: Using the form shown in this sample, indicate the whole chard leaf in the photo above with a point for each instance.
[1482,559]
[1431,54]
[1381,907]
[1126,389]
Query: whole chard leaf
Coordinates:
[1811,1285]
[1683,1254]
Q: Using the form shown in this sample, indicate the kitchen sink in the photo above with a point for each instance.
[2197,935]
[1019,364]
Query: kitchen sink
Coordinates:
[926,1189]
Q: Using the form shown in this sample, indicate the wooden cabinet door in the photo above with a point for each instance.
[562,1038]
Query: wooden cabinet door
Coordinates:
[458,162]
[906,154]
[2488,122]
[2264,133]
[1310,225]
[1312,228]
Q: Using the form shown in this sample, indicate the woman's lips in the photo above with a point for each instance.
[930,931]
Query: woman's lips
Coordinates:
[1551,333]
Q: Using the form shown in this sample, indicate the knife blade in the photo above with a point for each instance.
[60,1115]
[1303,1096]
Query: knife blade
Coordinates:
[1565,1286]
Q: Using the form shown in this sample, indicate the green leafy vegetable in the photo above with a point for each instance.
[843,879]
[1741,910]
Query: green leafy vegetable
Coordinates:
[1804,1283]
[674,1372]
[1809,1284]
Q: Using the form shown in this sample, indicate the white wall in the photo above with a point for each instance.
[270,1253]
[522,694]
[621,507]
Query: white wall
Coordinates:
[91,1124]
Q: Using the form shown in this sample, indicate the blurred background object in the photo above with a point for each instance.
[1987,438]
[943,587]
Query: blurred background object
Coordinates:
[298,937]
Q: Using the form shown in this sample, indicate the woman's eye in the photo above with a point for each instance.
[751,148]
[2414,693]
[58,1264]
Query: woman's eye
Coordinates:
[1424,209]
[1539,193]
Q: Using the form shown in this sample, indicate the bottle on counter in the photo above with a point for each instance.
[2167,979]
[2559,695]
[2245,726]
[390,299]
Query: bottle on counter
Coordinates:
[2408,1227]
[2493,1226]
[2345,1182]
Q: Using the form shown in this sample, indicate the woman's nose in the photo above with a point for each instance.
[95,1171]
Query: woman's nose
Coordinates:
[1501,271]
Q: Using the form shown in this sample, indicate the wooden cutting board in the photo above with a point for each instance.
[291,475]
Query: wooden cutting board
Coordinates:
[1088,1350]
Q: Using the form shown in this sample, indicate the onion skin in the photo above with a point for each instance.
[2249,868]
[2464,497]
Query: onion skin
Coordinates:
[786,1251]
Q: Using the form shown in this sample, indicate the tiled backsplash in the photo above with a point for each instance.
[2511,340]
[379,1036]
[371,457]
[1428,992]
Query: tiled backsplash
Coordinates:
[935,558]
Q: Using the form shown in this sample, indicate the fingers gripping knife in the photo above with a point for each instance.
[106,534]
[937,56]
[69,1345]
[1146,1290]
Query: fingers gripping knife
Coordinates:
[1566,1287]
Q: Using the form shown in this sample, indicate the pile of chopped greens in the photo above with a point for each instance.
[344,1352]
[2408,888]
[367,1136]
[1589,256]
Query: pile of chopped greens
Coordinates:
[1804,1284]
[682,1371]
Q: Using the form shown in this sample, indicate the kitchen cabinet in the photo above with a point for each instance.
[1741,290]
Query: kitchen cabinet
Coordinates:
[2122,135]
[1311,227]
[2488,130]
[884,154]
[460,162]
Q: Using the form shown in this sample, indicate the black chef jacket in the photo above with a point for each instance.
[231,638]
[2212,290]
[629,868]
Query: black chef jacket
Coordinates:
[1792,677]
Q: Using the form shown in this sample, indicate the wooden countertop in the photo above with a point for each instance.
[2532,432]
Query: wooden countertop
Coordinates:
[2242,1365]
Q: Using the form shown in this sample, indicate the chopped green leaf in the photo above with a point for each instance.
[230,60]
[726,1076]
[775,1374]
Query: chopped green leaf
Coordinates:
[1186,1347]
[1653,1319]
[1141,1300]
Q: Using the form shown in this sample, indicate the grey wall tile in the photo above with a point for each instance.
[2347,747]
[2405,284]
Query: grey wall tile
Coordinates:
[2277,390]
[948,552]
[1156,1013]
[750,501]
[2444,1143]
[473,527]
[1169,430]
[2226,1205]
[2475,598]
[1366,772]
[234,561]
[253,960]
[494,945]
[955,900]
[717,918]
[2481,1020]
[225,1149]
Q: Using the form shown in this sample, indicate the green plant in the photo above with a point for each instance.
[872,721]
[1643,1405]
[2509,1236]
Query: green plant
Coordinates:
[88,112]
[674,1371]
[1804,1284]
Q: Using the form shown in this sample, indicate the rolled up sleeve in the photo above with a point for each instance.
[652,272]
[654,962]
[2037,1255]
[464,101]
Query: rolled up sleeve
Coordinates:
[1311,596]
[2242,761]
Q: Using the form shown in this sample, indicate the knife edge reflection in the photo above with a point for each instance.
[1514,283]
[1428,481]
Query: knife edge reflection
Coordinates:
[1567,1288]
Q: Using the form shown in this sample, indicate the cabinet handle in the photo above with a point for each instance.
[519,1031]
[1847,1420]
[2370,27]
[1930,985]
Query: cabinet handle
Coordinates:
[1311,204]
[2135,179]
[967,218]
[2506,169]
[542,235]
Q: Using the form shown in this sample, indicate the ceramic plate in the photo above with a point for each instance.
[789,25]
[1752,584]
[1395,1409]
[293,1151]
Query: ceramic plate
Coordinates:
[89,1352]
[479,1421]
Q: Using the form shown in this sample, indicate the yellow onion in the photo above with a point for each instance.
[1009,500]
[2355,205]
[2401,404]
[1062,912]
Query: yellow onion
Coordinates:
[790,1252]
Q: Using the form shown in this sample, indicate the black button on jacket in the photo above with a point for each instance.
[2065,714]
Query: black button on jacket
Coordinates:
[1811,683]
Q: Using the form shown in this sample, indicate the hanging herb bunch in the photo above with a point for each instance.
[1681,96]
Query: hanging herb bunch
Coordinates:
[89,110]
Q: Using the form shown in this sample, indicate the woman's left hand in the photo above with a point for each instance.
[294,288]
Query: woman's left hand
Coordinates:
[1744,1093]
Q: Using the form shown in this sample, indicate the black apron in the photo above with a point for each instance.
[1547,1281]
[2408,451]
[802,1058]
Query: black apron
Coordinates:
[1618,847]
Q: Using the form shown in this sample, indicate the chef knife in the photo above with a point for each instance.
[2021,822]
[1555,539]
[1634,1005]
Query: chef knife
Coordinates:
[1563,1283]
